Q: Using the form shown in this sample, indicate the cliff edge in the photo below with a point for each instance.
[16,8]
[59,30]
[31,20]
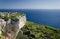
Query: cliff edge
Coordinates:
[11,23]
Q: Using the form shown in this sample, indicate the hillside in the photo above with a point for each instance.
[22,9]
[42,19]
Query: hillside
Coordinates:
[36,31]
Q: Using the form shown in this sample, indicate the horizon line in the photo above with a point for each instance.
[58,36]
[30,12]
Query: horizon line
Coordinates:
[13,9]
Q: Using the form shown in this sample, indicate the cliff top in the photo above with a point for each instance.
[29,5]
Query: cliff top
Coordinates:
[11,15]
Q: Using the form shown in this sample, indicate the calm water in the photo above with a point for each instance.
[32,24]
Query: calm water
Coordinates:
[45,17]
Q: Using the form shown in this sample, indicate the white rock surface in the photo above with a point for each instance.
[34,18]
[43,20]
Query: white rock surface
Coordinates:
[11,30]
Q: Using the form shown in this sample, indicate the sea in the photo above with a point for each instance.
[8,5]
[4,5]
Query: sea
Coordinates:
[50,17]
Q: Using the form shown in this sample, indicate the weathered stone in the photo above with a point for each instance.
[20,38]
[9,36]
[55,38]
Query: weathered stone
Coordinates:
[11,28]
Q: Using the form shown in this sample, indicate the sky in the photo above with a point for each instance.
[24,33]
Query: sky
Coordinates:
[29,4]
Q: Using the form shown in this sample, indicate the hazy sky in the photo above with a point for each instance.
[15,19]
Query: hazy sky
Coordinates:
[29,4]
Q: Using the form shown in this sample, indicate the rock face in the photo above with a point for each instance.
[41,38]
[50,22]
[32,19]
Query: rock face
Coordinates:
[11,28]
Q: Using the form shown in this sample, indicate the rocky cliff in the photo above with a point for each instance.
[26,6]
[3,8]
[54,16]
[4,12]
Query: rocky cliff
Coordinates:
[10,24]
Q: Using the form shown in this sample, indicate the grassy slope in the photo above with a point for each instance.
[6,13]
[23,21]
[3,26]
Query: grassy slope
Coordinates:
[36,31]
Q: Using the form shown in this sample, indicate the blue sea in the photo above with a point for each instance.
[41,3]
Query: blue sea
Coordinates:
[42,16]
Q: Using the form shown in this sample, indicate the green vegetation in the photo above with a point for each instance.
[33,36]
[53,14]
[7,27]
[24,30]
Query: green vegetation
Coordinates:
[12,17]
[7,17]
[21,36]
[0,34]
[20,14]
[36,31]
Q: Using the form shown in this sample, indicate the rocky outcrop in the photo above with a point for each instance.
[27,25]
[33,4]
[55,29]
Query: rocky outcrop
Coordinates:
[11,28]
